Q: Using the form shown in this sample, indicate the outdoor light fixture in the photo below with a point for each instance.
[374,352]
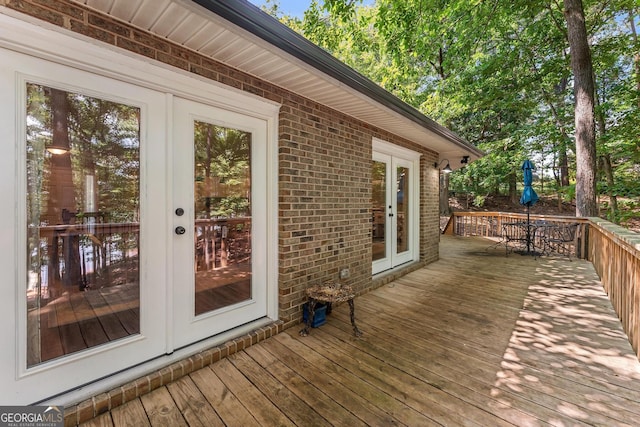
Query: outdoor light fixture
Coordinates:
[447,169]
[464,160]
[57,149]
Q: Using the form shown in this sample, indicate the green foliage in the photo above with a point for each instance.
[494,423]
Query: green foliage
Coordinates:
[478,201]
[232,206]
[567,193]
[222,171]
[628,211]
[498,74]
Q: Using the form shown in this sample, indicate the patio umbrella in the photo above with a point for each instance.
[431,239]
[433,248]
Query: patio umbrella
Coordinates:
[529,196]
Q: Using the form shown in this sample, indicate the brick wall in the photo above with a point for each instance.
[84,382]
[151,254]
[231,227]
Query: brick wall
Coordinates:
[325,163]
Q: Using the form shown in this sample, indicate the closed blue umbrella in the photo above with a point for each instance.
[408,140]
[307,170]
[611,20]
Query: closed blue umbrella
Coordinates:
[529,196]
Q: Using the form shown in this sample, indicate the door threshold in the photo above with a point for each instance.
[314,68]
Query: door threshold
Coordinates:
[386,276]
[91,400]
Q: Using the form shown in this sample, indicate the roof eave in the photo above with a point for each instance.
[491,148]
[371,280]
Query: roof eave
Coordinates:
[252,19]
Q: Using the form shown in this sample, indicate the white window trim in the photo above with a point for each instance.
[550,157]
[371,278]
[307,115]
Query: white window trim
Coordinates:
[382,146]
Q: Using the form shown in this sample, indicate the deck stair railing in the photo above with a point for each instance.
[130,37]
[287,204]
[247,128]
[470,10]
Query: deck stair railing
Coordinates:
[613,250]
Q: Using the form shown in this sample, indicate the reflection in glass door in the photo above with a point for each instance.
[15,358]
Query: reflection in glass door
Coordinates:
[392,238]
[83,201]
[402,209]
[379,210]
[219,246]
[222,216]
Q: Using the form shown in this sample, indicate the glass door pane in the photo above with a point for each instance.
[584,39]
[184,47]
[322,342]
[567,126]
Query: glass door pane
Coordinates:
[83,200]
[378,207]
[402,209]
[219,247]
[222,209]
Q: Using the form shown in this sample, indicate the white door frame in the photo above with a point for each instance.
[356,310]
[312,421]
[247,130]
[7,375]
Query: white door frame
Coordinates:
[54,56]
[394,156]
[76,368]
[188,328]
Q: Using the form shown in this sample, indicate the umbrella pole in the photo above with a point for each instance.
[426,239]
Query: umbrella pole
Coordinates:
[528,230]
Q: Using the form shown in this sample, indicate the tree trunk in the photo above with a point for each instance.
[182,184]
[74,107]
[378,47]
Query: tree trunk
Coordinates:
[561,148]
[613,200]
[513,191]
[607,167]
[554,170]
[584,110]
[61,204]
[563,161]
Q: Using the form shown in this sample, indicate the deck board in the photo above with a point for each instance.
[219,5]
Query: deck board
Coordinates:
[194,406]
[431,366]
[419,394]
[279,392]
[474,339]
[257,403]
[130,415]
[162,409]
[357,396]
[226,404]
[322,409]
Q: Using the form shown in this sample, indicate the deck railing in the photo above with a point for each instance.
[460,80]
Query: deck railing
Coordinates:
[491,224]
[615,254]
[100,249]
[613,250]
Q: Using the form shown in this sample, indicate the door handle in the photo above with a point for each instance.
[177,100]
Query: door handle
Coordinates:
[180,230]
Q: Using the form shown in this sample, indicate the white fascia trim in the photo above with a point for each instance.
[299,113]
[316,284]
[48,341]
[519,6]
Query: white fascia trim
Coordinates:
[62,46]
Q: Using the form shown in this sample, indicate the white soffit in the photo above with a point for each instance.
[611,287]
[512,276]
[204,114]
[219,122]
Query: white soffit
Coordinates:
[194,27]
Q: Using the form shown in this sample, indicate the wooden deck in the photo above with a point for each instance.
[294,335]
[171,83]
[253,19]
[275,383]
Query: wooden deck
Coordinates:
[475,339]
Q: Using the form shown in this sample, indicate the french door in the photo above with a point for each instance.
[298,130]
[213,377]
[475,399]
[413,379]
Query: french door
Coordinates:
[141,223]
[83,285]
[219,243]
[394,207]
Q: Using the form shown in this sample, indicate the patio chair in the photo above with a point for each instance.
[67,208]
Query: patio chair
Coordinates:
[514,235]
[560,239]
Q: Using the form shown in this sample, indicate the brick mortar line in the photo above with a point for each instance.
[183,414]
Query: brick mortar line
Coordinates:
[109,400]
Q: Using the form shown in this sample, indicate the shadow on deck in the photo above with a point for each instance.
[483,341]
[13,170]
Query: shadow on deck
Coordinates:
[476,338]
